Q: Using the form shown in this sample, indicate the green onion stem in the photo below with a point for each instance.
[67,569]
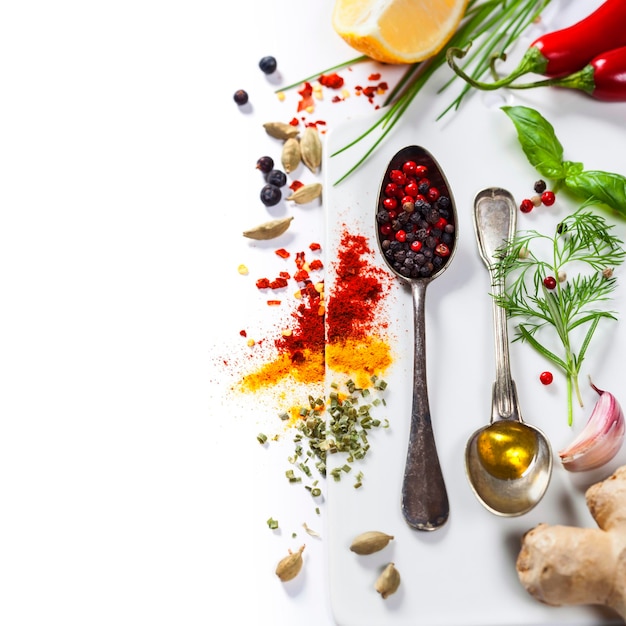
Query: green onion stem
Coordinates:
[498,22]
[406,77]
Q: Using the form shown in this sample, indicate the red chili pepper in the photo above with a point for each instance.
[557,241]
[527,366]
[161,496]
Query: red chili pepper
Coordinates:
[570,49]
[604,78]
[564,51]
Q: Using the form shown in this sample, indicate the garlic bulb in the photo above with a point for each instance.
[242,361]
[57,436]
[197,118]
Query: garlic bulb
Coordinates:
[600,439]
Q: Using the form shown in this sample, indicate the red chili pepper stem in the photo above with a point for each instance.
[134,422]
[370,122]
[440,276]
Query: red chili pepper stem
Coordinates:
[583,80]
[565,51]
[533,62]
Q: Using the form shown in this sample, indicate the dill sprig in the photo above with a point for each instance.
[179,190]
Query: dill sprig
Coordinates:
[582,246]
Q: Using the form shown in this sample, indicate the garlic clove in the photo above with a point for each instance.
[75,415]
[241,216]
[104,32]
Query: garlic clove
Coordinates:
[601,438]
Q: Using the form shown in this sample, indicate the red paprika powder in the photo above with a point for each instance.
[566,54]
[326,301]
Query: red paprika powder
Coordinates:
[353,304]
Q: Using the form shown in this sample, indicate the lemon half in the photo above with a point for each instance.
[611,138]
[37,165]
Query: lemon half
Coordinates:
[397,31]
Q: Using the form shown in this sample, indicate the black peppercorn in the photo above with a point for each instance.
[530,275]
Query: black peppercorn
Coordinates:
[240,97]
[268,65]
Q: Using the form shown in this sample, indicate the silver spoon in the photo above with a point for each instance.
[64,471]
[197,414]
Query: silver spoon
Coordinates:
[424,495]
[508,462]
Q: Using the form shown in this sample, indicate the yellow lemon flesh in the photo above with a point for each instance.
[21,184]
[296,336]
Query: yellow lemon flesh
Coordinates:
[397,31]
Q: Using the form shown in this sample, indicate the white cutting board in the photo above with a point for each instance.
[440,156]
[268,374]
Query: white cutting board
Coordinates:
[464,573]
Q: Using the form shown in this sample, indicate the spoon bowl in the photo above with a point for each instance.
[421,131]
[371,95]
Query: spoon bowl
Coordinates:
[428,218]
[513,488]
[508,462]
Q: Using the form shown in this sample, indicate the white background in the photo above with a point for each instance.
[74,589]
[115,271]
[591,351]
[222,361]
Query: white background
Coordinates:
[131,491]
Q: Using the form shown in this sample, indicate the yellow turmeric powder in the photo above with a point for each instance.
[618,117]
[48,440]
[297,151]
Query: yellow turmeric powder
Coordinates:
[359,358]
[308,369]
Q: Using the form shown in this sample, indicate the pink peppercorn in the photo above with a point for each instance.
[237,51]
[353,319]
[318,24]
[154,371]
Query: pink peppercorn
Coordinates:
[547,197]
[526,205]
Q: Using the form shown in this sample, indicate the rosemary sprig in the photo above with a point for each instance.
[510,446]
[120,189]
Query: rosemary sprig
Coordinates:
[582,240]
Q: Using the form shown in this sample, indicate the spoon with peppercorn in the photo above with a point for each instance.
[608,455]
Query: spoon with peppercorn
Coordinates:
[508,462]
[416,230]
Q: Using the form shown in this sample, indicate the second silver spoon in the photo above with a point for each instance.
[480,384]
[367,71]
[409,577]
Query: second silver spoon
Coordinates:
[508,462]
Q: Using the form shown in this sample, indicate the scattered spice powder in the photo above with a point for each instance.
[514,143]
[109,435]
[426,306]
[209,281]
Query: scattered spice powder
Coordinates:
[300,351]
[310,92]
[355,324]
[345,330]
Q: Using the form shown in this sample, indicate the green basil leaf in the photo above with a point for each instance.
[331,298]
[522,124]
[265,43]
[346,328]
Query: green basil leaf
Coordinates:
[538,140]
[603,187]
[572,168]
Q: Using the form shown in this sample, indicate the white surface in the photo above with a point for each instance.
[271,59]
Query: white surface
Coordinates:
[131,491]
[464,573]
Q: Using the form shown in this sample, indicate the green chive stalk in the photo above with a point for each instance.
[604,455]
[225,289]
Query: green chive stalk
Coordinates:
[494,24]
[490,27]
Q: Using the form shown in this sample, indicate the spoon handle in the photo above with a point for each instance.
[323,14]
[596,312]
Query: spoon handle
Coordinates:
[504,396]
[424,497]
[495,216]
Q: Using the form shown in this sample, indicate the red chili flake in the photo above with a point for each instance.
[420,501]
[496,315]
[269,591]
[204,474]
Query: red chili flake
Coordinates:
[278,283]
[369,91]
[305,103]
[294,122]
[285,275]
[273,302]
[296,185]
[308,291]
[316,264]
[337,99]
[307,97]
[306,90]
[299,260]
[243,333]
[374,76]
[315,246]
[301,275]
[282,253]
[263,283]
[332,81]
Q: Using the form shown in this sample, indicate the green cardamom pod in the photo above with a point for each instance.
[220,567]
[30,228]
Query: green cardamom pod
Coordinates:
[269,230]
[291,154]
[311,148]
[370,542]
[306,193]
[290,566]
[280,130]
[388,582]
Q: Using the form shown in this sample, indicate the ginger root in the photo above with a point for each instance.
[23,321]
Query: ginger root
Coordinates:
[565,565]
